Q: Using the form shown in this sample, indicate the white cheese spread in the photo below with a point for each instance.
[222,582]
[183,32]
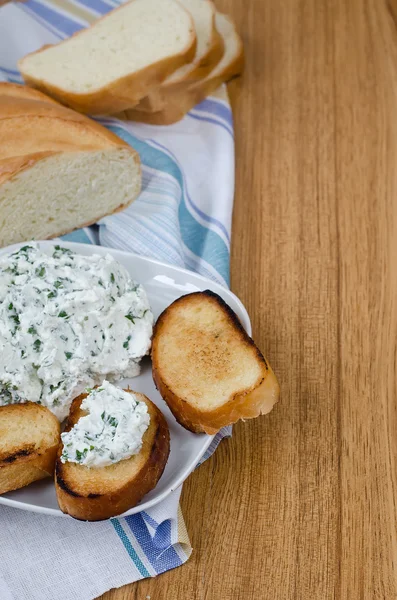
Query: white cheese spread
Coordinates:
[111,431]
[67,321]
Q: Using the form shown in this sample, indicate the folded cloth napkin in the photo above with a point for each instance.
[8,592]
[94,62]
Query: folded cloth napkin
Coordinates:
[183,216]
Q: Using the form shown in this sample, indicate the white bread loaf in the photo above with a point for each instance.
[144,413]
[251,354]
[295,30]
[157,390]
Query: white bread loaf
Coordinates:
[118,60]
[59,170]
[184,96]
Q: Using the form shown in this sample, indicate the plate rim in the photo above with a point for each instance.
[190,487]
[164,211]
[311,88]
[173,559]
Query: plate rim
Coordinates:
[189,468]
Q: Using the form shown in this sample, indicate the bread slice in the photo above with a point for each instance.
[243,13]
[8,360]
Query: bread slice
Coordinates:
[207,368]
[118,60]
[29,439]
[59,170]
[93,494]
[209,51]
[183,97]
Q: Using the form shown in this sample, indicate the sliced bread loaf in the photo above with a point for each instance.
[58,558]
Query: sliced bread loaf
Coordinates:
[59,170]
[209,51]
[183,97]
[118,60]
[29,439]
[92,494]
[207,368]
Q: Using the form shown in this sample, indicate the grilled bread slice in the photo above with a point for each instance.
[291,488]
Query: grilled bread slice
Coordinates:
[118,60]
[29,439]
[182,97]
[93,494]
[207,368]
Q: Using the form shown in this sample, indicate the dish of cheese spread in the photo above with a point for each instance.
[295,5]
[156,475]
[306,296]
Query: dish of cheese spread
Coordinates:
[67,322]
[111,431]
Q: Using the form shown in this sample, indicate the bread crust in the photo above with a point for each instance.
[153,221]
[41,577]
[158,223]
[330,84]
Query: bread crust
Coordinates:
[21,467]
[244,404]
[23,91]
[181,98]
[95,507]
[121,93]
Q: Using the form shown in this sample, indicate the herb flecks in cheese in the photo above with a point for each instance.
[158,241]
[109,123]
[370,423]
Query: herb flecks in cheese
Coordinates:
[64,323]
[111,431]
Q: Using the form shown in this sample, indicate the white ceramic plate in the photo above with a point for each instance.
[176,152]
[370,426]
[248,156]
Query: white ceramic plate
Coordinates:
[163,284]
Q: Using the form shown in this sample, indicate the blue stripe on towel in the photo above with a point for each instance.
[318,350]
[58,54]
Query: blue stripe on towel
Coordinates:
[201,213]
[159,552]
[209,120]
[128,546]
[200,240]
[97,5]
[79,235]
[59,21]
[216,108]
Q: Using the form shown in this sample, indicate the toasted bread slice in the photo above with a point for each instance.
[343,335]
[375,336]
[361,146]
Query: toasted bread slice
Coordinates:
[182,97]
[118,60]
[29,439]
[93,494]
[209,51]
[207,368]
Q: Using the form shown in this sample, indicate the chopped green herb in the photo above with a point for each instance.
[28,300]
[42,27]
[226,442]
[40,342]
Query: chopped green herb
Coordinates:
[103,416]
[113,421]
[81,455]
[59,250]
[68,355]
[58,284]
[10,306]
[62,314]
[55,387]
[40,271]
[112,279]
[52,295]
[32,330]
[131,317]
[37,345]
[127,342]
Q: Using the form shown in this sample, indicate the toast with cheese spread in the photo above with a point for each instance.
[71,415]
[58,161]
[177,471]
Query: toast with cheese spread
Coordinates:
[207,368]
[93,493]
[29,439]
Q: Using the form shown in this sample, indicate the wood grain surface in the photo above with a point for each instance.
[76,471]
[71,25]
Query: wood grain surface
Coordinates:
[301,504]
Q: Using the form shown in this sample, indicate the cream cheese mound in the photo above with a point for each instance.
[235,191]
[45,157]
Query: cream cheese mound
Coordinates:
[67,321]
[111,431]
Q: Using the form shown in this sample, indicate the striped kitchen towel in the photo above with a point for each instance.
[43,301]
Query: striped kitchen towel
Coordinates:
[183,216]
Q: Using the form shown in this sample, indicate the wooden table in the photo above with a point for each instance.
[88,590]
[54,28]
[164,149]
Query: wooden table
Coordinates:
[301,504]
